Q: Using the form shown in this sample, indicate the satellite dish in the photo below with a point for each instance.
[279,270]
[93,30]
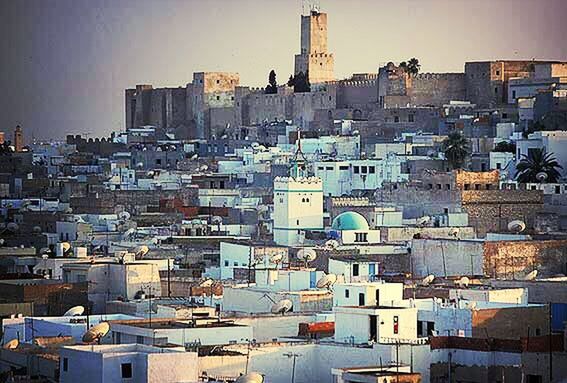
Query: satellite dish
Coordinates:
[531,276]
[251,377]
[2,241]
[13,227]
[12,345]
[423,220]
[37,229]
[216,220]
[194,156]
[454,232]
[150,173]
[326,281]
[307,255]
[471,305]
[204,168]
[96,333]
[141,250]
[463,282]
[541,176]
[128,233]
[427,280]
[517,226]
[66,246]
[332,244]
[74,311]
[276,258]
[282,307]
[208,282]
[124,216]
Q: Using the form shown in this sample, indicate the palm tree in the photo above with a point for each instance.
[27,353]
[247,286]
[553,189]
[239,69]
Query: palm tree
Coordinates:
[413,66]
[456,149]
[537,161]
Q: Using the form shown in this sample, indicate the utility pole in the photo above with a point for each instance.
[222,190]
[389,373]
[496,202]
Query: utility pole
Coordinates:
[168,279]
[550,347]
[294,356]
[397,361]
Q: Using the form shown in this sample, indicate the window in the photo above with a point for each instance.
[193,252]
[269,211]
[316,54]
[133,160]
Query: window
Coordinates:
[476,187]
[218,98]
[364,169]
[347,293]
[396,119]
[496,90]
[218,81]
[329,168]
[356,170]
[514,94]
[371,169]
[361,300]
[497,73]
[320,168]
[297,222]
[65,364]
[439,186]
[343,167]
[557,189]
[361,237]
[467,186]
[448,186]
[235,264]
[226,263]
[126,370]
[410,118]
[487,186]
[498,165]
[355,270]
[140,339]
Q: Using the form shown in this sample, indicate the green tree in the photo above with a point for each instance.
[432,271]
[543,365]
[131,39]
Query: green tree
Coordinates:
[291,81]
[537,161]
[413,66]
[505,147]
[301,83]
[272,87]
[456,149]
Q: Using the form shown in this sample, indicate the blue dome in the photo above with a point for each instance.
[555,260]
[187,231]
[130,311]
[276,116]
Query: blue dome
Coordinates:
[350,220]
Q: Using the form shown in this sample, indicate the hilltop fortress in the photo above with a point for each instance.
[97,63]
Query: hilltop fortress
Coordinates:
[215,104]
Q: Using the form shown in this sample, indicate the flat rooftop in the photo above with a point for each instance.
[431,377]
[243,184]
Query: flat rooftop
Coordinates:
[161,324]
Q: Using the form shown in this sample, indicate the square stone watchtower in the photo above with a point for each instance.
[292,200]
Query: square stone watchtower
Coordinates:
[314,57]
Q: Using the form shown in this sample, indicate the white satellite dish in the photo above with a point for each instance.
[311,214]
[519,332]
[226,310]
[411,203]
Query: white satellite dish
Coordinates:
[194,156]
[471,305]
[531,276]
[124,216]
[74,311]
[96,333]
[282,307]
[12,345]
[332,244]
[204,168]
[206,283]
[306,255]
[423,220]
[37,230]
[463,282]
[13,227]
[454,232]
[427,280]
[517,226]
[141,250]
[128,233]
[251,377]
[276,258]
[150,173]
[326,281]
[541,176]
[66,246]
[216,220]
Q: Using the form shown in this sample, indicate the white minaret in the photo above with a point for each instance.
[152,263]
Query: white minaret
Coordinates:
[298,203]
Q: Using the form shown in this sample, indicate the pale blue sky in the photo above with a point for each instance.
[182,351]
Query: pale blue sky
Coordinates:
[65,63]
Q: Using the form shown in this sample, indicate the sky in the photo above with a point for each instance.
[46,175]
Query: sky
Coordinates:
[64,64]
